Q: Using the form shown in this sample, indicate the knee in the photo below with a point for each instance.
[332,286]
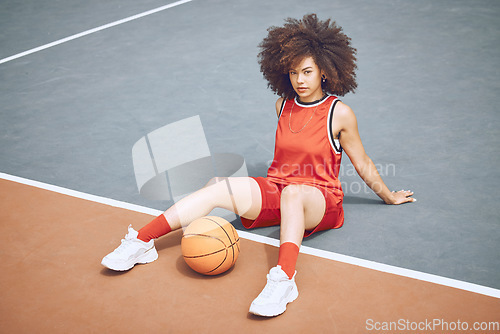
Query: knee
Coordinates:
[212,190]
[298,193]
[217,191]
[215,180]
[292,193]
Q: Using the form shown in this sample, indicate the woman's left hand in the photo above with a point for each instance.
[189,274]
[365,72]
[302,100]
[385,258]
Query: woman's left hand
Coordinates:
[402,196]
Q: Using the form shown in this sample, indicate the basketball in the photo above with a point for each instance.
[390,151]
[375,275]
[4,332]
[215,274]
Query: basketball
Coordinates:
[210,245]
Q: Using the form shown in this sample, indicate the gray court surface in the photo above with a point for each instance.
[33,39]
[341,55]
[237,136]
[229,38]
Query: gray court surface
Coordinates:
[427,108]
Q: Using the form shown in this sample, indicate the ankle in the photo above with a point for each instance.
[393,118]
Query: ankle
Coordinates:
[287,258]
[155,229]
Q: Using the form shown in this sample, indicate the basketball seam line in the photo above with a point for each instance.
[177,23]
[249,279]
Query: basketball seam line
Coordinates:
[227,234]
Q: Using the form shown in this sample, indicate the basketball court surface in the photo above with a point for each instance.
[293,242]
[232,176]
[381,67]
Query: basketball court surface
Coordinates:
[88,90]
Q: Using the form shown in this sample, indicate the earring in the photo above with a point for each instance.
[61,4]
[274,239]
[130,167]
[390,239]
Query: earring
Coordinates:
[324,78]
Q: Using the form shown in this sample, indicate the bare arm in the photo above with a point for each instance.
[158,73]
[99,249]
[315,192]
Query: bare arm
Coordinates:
[279,102]
[346,123]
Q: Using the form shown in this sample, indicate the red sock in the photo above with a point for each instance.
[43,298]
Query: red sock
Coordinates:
[155,229]
[289,252]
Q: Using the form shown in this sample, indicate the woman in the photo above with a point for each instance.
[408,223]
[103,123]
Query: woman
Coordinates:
[307,63]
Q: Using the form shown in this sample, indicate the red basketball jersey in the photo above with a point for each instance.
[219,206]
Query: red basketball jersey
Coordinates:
[306,151]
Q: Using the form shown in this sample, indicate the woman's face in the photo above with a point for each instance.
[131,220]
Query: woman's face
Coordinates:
[306,80]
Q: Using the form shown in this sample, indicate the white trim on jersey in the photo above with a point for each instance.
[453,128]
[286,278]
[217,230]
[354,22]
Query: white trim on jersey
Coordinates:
[304,105]
[282,107]
[334,143]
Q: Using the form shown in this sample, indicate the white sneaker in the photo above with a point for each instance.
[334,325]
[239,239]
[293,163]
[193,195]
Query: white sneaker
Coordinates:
[130,252]
[279,291]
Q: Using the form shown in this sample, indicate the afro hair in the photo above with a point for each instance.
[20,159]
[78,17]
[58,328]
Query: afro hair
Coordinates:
[324,41]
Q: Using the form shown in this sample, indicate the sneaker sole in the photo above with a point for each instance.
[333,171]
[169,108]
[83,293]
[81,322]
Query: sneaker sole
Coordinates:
[274,310]
[149,256]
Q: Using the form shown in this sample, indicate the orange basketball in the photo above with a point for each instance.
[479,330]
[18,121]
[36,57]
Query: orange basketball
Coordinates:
[210,245]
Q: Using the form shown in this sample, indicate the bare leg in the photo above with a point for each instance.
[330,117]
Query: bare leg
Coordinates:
[302,208]
[240,195]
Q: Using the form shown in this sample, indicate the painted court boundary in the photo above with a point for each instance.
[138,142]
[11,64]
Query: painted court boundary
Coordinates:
[91,31]
[273,242]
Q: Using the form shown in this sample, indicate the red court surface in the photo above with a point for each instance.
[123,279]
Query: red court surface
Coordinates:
[52,282]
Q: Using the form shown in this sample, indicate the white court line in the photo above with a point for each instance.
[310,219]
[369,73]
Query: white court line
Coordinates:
[273,242]
[91,31]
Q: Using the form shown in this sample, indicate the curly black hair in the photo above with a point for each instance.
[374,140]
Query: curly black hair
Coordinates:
[324,41]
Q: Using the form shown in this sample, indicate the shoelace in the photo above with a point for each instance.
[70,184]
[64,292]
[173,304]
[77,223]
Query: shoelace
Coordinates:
[270,287]
[273,278]
[124,244]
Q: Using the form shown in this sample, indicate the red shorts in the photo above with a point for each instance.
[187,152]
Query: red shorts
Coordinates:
[270,214]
